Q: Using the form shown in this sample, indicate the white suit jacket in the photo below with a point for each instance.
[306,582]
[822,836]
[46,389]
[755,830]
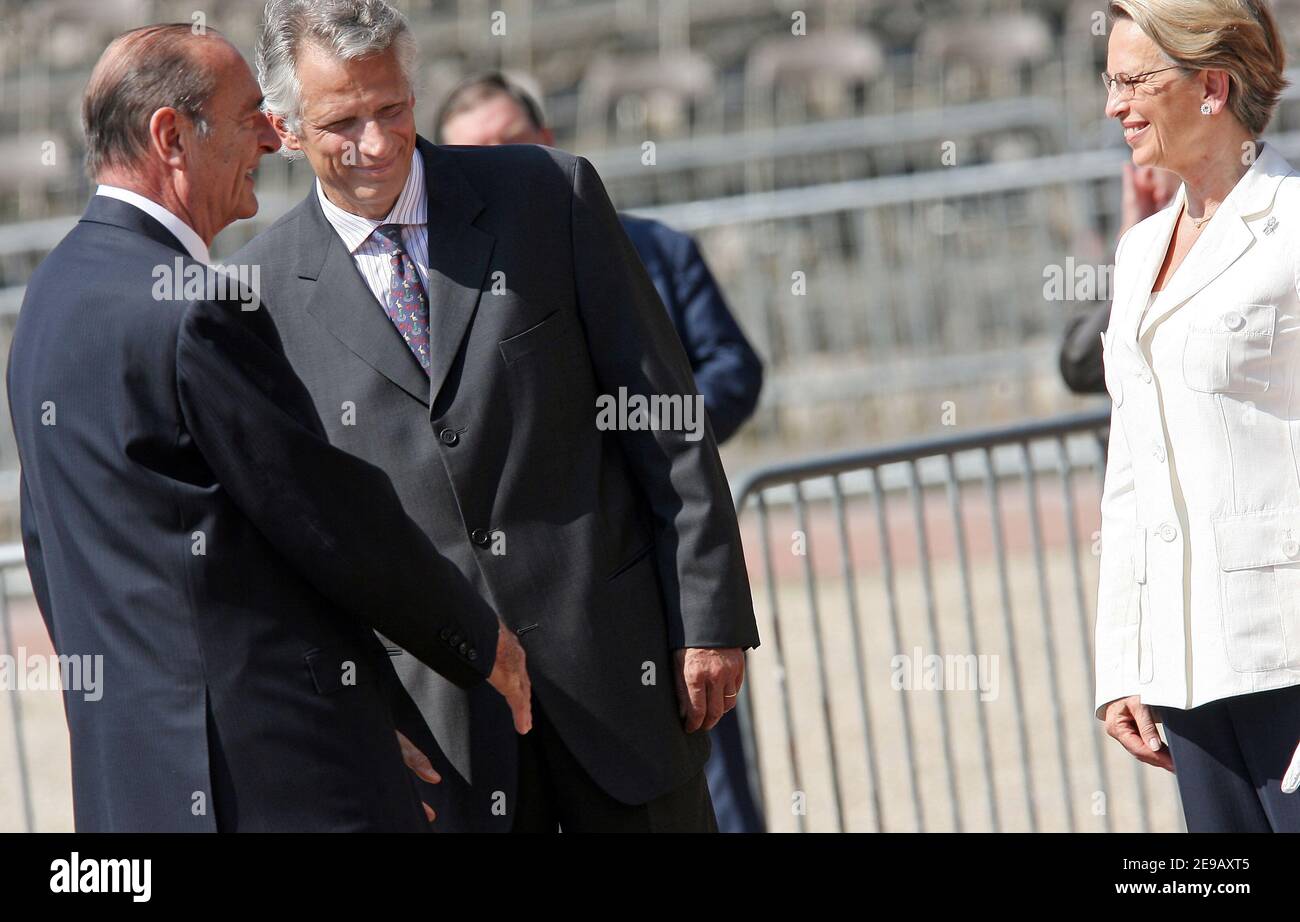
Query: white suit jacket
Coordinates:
[1199,595]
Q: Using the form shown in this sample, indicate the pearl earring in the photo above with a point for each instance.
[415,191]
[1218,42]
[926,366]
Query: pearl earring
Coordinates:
[1206,108]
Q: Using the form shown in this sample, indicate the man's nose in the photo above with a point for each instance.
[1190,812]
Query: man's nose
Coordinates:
[268,142]
[375,143]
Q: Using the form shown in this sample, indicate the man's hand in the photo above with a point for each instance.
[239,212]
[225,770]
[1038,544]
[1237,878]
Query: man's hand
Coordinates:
[510,677]
[419,763]
[1145,191]
[708,682]
[1131,723]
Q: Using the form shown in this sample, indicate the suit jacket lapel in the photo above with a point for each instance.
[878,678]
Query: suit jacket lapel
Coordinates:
[459,254]
[348,309]
[1212,253]
[1229,234]
[1154,259]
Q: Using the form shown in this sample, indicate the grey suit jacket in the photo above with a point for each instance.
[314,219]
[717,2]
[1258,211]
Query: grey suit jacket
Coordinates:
[603,549]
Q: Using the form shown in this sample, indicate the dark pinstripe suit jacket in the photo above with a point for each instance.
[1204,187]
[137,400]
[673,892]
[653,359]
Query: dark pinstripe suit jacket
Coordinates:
[185,518]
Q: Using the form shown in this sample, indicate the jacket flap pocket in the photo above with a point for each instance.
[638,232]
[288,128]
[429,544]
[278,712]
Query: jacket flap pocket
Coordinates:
[1230,350]
[554,326]
[333,669]
[1258,539]
[632,561]
[1255,321]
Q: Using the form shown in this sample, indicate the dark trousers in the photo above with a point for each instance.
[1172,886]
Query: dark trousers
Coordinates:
[728,774]
[1229,758]
[556,794]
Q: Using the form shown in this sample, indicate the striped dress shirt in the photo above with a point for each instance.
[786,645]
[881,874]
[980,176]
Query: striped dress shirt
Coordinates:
[411,210]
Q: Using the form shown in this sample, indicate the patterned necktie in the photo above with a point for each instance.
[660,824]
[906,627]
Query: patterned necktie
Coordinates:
[405,302]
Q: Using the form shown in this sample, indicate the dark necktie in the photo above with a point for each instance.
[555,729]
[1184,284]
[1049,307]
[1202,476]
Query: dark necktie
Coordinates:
[405,302]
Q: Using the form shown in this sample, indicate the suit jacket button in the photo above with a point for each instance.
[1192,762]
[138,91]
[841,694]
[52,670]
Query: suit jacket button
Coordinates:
[449,437]
[480,537]
[455,639]
[463,648]
[1291,547]
[1233,320]
[1168,532]
[445,633]
[471,655]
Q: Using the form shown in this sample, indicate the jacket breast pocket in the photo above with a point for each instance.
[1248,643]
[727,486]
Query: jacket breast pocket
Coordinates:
[1230,351]
[1259,563]
[551,383]
[556,330]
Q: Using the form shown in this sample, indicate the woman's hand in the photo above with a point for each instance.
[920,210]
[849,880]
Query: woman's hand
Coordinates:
[1130,722]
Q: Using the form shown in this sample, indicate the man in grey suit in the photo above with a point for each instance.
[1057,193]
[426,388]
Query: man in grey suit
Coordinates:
[476,323]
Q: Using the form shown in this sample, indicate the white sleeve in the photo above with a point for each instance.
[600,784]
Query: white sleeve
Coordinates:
[1117,587]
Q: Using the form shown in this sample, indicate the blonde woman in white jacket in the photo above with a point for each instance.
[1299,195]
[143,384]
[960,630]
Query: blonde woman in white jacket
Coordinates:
[1198,620]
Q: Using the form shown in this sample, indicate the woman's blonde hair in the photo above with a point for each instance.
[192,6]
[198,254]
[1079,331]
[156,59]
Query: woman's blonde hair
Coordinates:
[1236,36]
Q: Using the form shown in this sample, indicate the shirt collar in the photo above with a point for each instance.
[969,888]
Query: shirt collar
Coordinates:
[1255,191]
[185,235]
[411,207]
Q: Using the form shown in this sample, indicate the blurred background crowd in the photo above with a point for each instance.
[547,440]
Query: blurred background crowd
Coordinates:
[874,184]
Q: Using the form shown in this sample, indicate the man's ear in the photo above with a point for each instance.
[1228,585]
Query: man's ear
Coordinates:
[165,137]
[281,126]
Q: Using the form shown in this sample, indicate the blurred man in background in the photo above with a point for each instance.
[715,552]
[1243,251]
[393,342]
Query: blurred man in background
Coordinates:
[491,109]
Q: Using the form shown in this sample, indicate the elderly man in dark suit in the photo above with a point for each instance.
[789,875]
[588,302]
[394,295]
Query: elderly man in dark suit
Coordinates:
[476,323]
[490,109]
[184,516]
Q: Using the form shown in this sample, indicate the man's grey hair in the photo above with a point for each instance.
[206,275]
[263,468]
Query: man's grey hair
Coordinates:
[349,29]
[141,71]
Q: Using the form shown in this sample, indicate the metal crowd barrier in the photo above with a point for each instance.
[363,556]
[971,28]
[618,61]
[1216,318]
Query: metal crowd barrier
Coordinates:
[975,547]
[975,552]
[11,557]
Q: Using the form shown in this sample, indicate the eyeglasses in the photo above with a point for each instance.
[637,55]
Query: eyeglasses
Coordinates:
[1130,83]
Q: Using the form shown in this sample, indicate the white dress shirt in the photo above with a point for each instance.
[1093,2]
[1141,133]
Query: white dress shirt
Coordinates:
[185,234]
[357,233]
